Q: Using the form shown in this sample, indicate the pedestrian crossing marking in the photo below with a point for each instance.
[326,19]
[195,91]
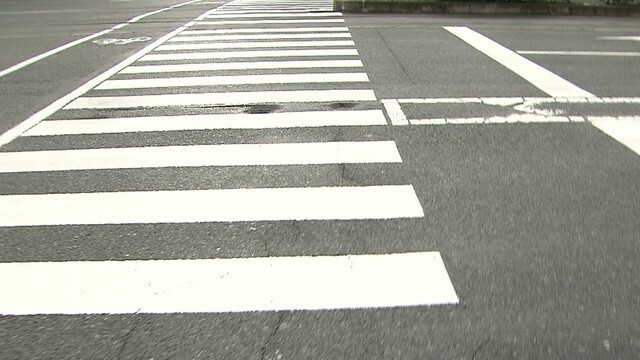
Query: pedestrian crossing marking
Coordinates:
[209,122]
[225,285]
[223,15]
[256,45]
[264,22]
[260,65]
[260,37]
[264,30]
[202,155]
[220,205]
[220,99]
[250,54]
[193,81]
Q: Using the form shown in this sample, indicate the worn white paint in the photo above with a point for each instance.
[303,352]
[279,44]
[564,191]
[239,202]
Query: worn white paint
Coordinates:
[255,45]
[251,54]
[226,205]
[622,38]
[396,115]
[538,76]
[233,80]
[201,155]
[220,99]
[209,122]
[240,65]
[285,14]
[225,285]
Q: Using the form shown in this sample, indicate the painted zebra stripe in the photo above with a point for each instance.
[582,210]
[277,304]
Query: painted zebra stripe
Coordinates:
[225,285]
[255,45]
[227,205]
[201,155]
[308,64]
[220,99]
[250,54]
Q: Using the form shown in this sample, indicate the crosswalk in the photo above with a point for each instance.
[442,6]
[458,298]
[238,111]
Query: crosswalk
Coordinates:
[247,65]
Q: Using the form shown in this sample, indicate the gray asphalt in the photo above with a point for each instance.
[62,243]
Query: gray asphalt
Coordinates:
[537,223]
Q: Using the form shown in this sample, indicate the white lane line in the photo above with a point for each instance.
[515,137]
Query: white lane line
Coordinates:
[227,205]
[623,38]
[51,52]
[226,285]
[581,53]
[201,155]
[209,122]
[220,99]
[250,54]
[255,45]
[219,15]
[234,80]
[626,131]
[317,64]
[267,30]
[540,77]
[329,35]
[262,22]
[60,103]
[396,115]
[267,10]
[510,119]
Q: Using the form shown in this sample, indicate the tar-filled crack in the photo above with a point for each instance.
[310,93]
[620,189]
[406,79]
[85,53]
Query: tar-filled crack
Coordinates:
[127,336]
[395,57]
[271,335]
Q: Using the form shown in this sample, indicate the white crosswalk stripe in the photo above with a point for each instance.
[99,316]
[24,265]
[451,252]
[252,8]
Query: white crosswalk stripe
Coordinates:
[249,66]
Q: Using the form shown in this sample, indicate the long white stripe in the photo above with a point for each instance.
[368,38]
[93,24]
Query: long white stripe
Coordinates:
[260,37]
[201,155]
[51,52]
[256,22]
[268,10]
[209,122]
[243,66]
[233,98]
[254,45]
[251,54]
[58,104]
[233,80]
[626,131]
[228,205]
[267,30]
[225,285]
[581,53]
[540,77]
[218,15]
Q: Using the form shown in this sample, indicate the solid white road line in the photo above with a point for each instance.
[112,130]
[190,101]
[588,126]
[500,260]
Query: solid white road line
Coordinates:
[267,30]
[51,52]
[581,53]
[262,22]
[251,54]
[626,131]
[58,104]
[220,99]
[225,285]
[233,80]
[209,122]
[220,15]
[309,64]
[540,77]
[327,35]
[201,155]
[227,205]
[255,45]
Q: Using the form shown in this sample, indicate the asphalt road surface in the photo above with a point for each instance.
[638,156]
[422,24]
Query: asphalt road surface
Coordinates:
[273,180]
